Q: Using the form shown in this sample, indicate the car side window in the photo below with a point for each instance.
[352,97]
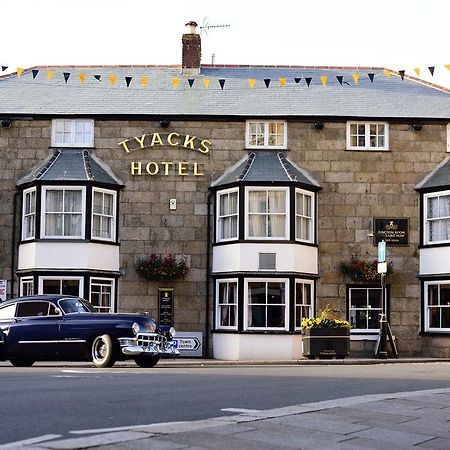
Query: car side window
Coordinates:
[32,309]
[7,312]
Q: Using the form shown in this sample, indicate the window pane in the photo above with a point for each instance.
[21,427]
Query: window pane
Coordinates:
[257,226]
[70,287]
[275,293]
[257,316]
[72,201]
[445,317]
[257,201]
[433,294]
[277,201]
[276,226]
[275,316]
[54,200]
[358,298]
[375,298]
[257,292]
[51,287]
[435,319]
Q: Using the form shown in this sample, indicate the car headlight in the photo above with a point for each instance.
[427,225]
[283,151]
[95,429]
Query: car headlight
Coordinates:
[172,331]
[135,327]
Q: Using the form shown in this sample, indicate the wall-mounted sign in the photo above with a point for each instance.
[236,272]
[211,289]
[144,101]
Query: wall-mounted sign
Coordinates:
[165,306]
[3,286]
[152,140]
[395,232]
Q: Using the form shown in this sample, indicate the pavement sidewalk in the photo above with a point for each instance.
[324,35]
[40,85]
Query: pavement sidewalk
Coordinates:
[396,421]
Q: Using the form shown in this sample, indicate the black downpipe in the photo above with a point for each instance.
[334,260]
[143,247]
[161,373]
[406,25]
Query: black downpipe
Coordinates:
[208,248]
[13,243]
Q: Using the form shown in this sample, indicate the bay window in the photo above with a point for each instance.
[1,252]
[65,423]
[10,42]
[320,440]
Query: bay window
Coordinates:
[101,294]
[226,304]
[437,308]
[227,215]
[103,214]
[304,216]
[437,217]
[303,301]
[266,306]
[63,212]
[29,214]
[267,213]
[61,285]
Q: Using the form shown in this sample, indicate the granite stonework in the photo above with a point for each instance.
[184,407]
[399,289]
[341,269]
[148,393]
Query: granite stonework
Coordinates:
[357,186]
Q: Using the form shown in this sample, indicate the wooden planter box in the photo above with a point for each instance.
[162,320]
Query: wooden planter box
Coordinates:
[326,343]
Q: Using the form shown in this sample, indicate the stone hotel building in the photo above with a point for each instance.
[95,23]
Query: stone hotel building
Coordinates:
[273,184]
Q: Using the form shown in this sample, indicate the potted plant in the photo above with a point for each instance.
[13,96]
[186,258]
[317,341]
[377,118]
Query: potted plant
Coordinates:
[157,267]
[359,270]
[325,336]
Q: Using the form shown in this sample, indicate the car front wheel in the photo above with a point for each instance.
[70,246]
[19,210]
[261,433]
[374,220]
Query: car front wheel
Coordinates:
[146,361]
[22,362]
[103,351]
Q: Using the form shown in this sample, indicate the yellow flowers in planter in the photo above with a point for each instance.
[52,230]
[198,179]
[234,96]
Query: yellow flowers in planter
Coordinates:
[326,319]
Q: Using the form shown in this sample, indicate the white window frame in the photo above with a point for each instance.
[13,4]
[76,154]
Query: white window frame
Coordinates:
[266,135]
[112,237]
[367,145]
[227,216]
[30,215]
[426,220]
[70,125]
[377,311]
[286,303]
[61,279]
[311,218]
[100,281]
[249,189]
[26,286]
[300,283]
[82,189]
[427,307]
[226,281]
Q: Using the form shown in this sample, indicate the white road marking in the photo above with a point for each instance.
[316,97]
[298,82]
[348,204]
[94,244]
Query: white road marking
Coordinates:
[36,440]
[240,410]
[108,430]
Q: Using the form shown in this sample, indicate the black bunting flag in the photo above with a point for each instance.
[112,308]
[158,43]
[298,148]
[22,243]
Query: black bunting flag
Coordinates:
[98,77]
[66,76]
[297,80]
[267,82]
[191,82]
[222,82]
[402,74]
[34,72]
[371,76]
[431,69]
[4,68]
[308,80]
[128,80]
[339,78]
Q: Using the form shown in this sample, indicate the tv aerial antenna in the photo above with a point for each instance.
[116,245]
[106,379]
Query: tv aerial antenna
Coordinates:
[205,27]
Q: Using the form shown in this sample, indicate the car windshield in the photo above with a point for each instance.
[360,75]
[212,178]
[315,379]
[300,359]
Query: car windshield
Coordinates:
[75,305]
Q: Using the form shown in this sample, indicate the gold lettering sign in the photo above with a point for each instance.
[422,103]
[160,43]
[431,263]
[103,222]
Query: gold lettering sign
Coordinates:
[181,168]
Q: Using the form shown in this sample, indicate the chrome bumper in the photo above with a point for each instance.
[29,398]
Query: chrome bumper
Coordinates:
[148,343]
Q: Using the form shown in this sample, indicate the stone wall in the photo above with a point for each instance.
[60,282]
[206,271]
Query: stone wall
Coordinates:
[357,186]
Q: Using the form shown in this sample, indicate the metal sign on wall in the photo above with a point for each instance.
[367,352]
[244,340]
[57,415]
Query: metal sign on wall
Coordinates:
[165,306]
[395,232]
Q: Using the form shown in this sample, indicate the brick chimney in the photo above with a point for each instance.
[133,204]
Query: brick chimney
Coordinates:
[192,50]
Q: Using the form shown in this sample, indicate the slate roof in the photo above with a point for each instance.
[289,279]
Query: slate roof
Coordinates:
[438,178]
[268,167]
[72,165]
[386,97]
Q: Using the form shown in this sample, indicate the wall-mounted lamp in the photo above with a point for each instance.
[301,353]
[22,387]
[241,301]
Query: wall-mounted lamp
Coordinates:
[164,123]
[417,127]
[318,125]
[6,123]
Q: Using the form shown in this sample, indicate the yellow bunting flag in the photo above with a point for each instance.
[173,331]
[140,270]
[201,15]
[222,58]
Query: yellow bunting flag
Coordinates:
[50,74]
[112,79]
[175,82]
[19,72]
[144,81]
[82,77]
[324,80]
[387,73]
[206,83]
[355,77]
[282,82]
[251,83]
[417,70]
[447,66]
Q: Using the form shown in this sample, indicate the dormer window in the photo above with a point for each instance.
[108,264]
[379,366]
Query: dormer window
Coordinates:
[73,133]
[266,134]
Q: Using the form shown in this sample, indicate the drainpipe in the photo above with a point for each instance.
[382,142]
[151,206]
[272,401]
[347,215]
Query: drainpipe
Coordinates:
[208,248]
[13,242]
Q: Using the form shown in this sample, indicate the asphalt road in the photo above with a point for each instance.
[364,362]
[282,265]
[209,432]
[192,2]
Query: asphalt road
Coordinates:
[57,400]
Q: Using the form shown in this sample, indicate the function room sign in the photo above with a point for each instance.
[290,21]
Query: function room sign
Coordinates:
[395,232]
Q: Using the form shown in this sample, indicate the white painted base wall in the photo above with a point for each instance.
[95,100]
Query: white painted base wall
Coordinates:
[256,347]
[434,260]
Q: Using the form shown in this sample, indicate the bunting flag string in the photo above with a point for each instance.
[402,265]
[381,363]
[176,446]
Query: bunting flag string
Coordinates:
[253,83]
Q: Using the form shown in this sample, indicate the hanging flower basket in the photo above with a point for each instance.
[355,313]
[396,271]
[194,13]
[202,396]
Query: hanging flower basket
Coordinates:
[359,270]
[157,267]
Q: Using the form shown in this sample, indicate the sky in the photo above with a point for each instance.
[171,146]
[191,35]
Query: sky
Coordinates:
[397,34]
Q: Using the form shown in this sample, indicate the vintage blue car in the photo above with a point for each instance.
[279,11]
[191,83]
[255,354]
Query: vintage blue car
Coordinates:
[66,328]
